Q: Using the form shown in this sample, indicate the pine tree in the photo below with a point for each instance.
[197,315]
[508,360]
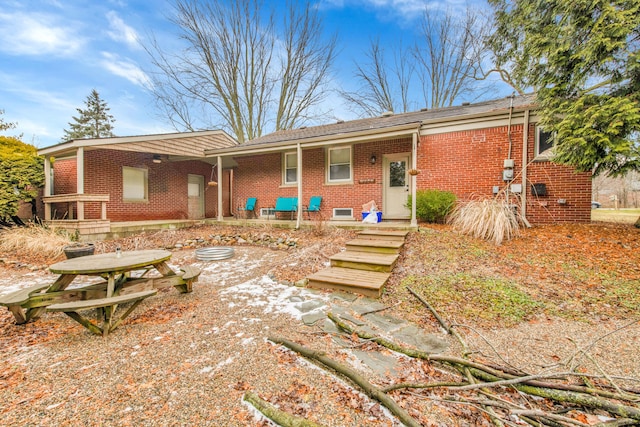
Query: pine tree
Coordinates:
[92,122]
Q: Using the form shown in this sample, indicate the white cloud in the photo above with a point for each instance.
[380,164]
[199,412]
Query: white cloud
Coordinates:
[121,32]
[37,34]
[125,68]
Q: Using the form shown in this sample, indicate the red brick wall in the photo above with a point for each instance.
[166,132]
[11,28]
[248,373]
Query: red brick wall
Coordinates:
[470,164]
[64,182]
[261,176]
[167,185]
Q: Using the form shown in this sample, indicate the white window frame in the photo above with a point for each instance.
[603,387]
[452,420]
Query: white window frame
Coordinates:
[343,180]
[285,168]
[546,154]
[343,217]
[141,177]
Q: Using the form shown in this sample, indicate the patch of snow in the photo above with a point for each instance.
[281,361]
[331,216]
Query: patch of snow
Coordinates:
[273,296]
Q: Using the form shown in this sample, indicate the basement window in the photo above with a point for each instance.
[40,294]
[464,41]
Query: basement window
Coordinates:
[345,214]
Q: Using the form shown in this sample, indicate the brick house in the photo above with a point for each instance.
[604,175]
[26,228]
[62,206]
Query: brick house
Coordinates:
[473,150]
[91,182]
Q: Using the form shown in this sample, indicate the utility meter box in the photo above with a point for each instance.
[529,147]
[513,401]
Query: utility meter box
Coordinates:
[507,174]
[509,163]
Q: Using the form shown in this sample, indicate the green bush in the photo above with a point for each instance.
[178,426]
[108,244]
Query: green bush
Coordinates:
[433,205]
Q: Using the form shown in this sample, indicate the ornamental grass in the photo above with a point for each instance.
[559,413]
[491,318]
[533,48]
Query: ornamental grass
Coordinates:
[493,220]
[33,241]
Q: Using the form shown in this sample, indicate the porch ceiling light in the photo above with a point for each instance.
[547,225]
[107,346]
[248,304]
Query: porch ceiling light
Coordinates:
[156,158]
[373,159]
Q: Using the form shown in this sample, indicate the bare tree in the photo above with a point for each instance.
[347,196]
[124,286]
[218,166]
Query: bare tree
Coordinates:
[449,54]
[445,60]
[236,61]
[383,86]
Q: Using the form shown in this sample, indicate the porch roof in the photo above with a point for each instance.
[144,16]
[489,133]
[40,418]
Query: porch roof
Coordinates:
[387,125]
[183,144]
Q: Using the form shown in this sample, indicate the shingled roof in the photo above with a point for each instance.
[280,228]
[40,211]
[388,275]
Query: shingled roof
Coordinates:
[393,120]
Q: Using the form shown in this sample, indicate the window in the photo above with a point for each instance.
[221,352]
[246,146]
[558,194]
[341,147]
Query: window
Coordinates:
[134,184]
[290,168]
[544,142]
[339,164]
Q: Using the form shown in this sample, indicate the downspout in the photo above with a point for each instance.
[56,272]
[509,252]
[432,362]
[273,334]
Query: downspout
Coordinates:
[299,178]
[506,193]
[220,185]
[525,161]
[414,178]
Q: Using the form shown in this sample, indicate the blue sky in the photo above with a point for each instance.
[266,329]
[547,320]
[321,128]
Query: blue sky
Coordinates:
[54,52]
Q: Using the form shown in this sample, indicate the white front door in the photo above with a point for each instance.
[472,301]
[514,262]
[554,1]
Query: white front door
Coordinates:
[196,196]
[396,186]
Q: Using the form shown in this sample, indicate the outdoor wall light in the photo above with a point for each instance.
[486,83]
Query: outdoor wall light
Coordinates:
[156,158]
[373,159]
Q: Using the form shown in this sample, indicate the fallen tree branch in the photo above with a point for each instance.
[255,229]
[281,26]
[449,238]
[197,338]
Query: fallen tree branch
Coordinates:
[279,417]
[371,390]
[576,398]
[578,395]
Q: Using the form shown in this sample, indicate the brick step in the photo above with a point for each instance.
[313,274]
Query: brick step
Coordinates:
[376,246]
[397,235]
[364,261]
[368,283]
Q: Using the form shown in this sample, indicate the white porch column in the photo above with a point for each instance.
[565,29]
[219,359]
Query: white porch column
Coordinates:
[48,191]
[220,185]
[79,184]
[80,171]
[414,178]
[299,178]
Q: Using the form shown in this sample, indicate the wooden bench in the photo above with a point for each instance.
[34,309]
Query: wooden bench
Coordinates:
[189,275]
[286,204]
[15,300]
[110,304]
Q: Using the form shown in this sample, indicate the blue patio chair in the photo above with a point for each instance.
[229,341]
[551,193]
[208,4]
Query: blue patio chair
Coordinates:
[250,206]
[314,205]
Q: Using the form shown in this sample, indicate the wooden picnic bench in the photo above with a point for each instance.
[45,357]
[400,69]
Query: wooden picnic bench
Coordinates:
[28,304]
[110,320]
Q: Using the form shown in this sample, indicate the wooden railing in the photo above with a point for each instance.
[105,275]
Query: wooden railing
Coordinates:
[79,200]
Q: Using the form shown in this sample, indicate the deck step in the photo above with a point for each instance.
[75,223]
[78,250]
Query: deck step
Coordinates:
[364,261]
[368,283]
[398,235]
[377,246]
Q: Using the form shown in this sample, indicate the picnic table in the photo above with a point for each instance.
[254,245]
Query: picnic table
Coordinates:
[118,288]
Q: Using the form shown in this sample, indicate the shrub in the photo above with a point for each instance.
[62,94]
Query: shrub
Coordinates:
[433,205]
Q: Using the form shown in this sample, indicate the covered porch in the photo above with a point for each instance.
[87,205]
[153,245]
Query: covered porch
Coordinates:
[91,184]
[129,228]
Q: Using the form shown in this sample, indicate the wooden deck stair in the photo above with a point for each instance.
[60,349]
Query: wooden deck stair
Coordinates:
[365,266]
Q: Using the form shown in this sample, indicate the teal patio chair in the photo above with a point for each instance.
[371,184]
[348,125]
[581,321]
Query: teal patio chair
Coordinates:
[250,206]
[314,205]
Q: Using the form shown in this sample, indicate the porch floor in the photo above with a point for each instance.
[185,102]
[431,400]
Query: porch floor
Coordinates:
[126,228]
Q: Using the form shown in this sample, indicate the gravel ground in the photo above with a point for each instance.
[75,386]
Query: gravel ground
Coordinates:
[187,359]
[180,359]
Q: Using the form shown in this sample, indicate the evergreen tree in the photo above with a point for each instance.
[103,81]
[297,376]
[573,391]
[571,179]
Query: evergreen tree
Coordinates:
[582,59]
[21,174]
[92,122]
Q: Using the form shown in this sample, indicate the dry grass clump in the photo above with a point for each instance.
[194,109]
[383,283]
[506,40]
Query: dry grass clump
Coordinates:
[489,219]
[33,241]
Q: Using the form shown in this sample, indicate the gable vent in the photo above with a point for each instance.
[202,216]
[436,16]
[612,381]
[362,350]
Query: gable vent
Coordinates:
[387,114]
